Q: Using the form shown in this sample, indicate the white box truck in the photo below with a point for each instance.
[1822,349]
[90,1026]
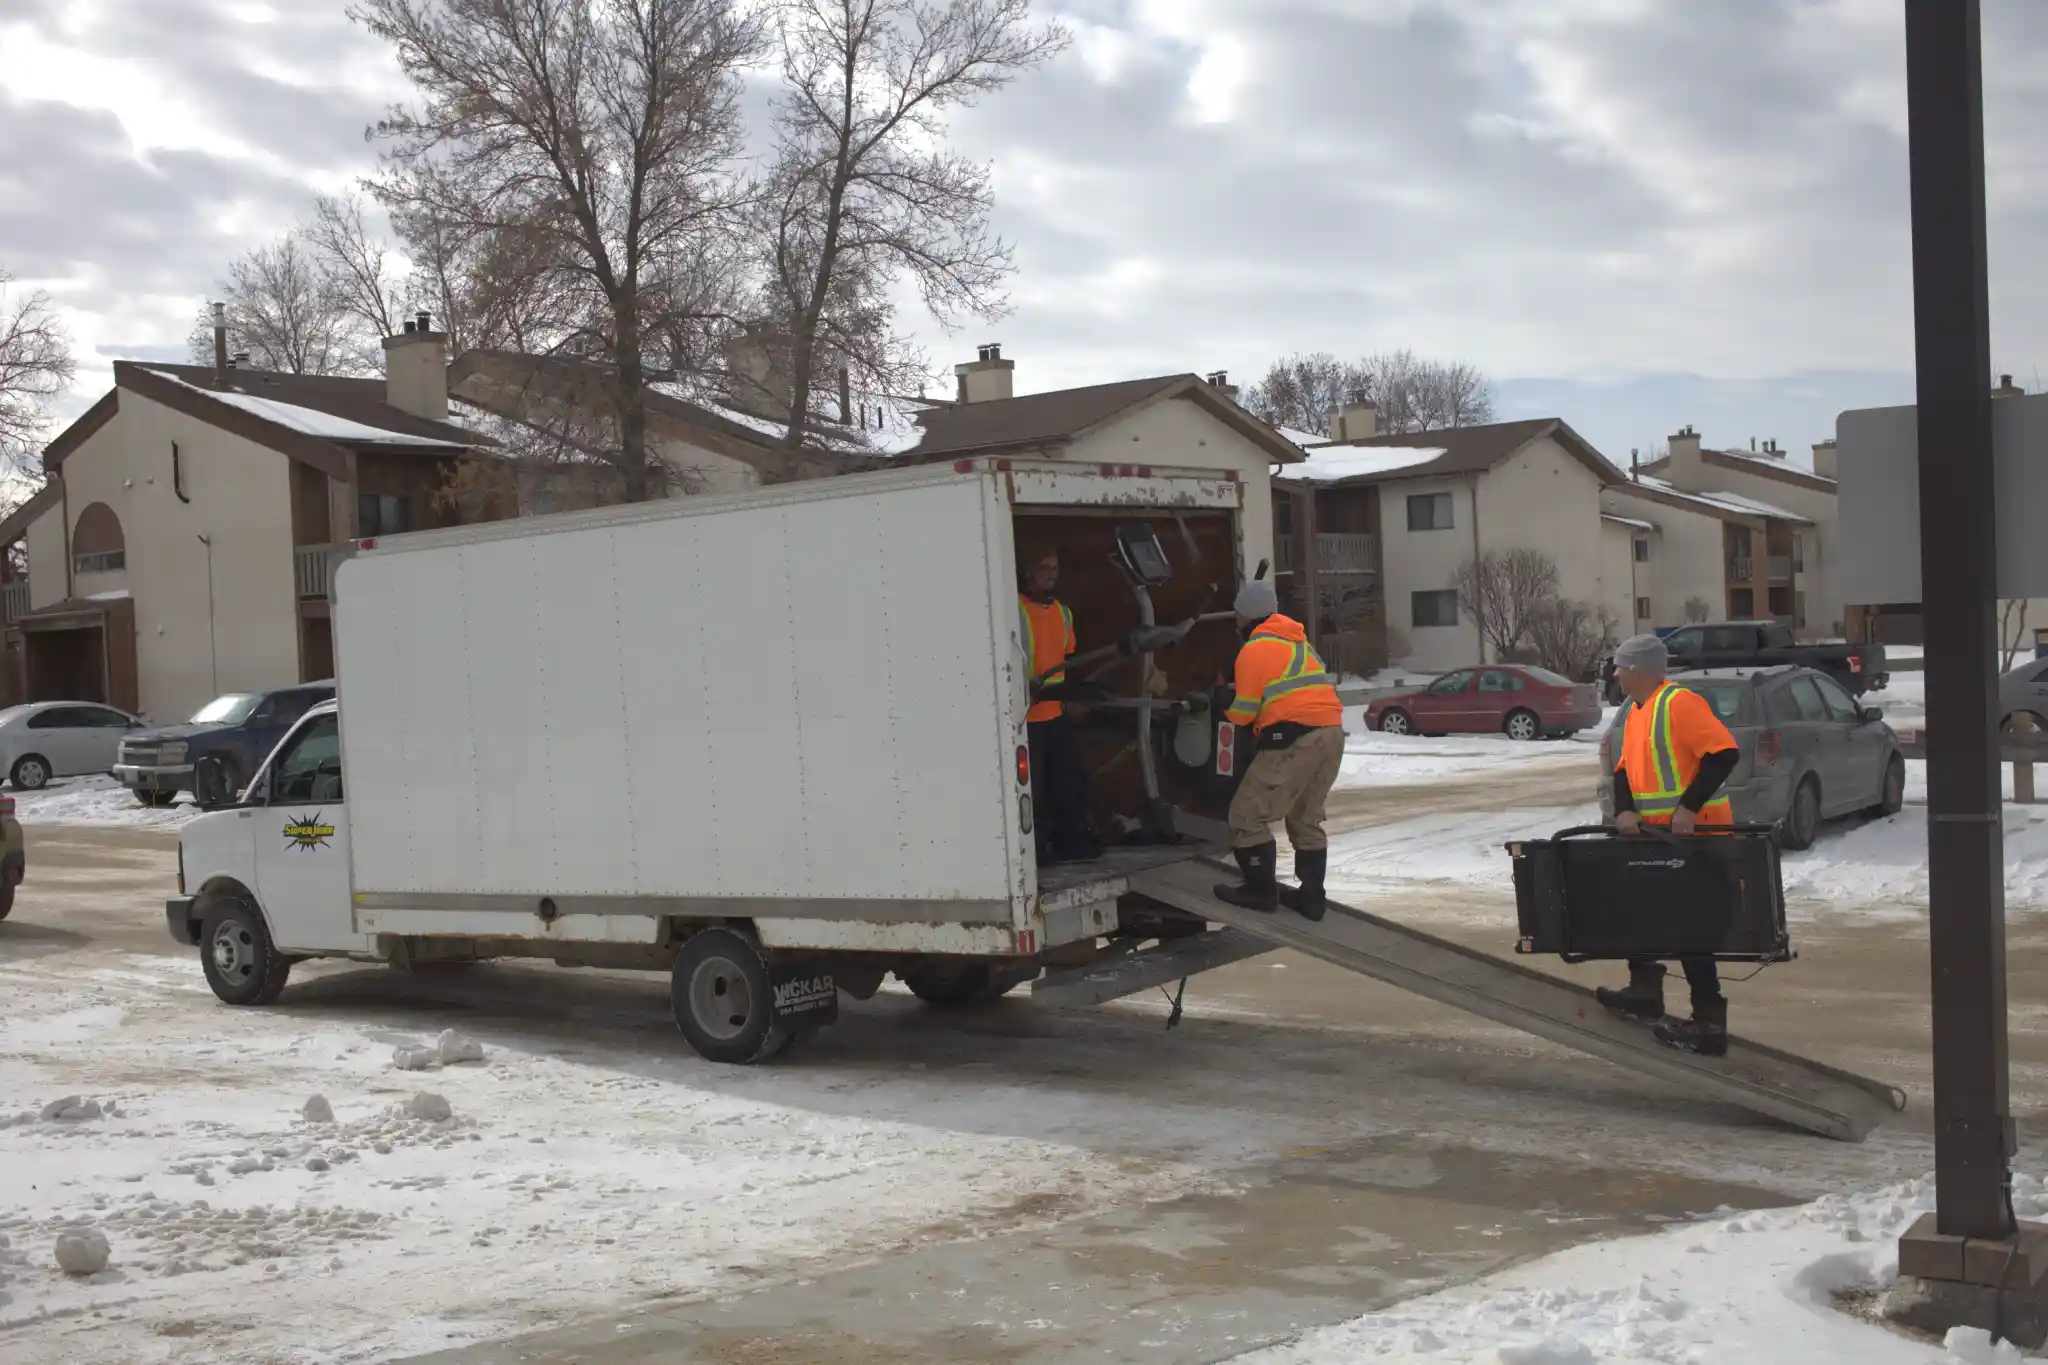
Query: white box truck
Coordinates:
[773,743]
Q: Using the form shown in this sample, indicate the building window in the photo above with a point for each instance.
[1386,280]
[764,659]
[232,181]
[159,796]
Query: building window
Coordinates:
[1742,604]
[1429,512]
[100,561]
[1642,609]
[383,514]
[1642,550]
[1437,608]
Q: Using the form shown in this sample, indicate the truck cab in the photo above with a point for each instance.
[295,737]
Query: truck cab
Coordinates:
[267,878]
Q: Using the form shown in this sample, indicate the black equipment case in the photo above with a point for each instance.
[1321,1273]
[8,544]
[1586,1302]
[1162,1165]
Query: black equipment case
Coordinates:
[1587,893]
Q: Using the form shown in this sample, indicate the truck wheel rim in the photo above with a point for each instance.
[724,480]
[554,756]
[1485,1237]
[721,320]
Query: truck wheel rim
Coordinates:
[234,951]
[721,1001]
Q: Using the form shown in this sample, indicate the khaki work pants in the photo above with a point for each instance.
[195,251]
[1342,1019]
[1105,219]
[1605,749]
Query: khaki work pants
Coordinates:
[1288,784]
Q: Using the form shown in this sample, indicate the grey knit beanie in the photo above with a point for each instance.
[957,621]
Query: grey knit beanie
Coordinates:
[1643,653]
[1256,600]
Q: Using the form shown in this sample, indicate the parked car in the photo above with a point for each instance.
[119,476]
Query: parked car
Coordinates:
[1760,644]
[1809,752]
[216,751]
[47,739]
[2024,691]
[13,856]
[1518,700]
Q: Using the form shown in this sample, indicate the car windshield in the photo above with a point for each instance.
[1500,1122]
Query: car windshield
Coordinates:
[1546,677]
[229,710]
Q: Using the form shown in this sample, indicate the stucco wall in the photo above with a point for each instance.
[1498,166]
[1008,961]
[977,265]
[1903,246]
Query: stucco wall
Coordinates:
[1541,498]
[241,500]
[1179,434]
[1421,561]
[1685,557]
[1620,584]
[46,558]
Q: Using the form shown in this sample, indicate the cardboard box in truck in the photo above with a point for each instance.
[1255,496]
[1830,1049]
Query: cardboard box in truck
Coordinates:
[774,744]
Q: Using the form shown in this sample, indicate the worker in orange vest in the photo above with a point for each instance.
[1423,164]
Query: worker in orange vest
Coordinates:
[1290,701]
[1675,756]
[1059,782]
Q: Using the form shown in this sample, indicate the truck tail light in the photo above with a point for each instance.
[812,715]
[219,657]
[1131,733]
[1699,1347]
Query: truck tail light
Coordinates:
[1023,765]
[1769,747]
[6,805]
[1855,663]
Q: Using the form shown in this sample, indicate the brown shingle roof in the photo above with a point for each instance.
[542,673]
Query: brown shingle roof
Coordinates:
[1745,463]
[1063,415]
[1474,450]
[356,400]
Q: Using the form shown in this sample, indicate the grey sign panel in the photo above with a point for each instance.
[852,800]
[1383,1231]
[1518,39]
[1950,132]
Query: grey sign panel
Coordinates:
[1878,451]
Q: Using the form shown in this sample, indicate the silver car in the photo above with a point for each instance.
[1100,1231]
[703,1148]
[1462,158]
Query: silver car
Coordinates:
[1809,752]
[47,739]
[2024,691]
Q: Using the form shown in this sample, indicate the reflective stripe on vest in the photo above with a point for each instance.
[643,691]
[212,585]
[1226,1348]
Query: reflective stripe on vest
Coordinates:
[1059,674]
[1664,801]
[1304,669]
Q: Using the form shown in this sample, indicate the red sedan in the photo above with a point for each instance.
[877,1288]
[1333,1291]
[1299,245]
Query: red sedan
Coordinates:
[1518,700]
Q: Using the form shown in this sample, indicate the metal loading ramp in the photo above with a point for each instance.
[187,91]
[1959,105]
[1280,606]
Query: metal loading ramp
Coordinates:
[1819,1098]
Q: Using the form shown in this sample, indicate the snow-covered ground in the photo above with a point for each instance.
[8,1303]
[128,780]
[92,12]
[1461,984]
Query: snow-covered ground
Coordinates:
[1903,701]
[1750,1287]
[97,801]
[388,1231]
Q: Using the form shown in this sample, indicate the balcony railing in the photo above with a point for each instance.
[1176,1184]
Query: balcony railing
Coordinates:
[13,602]
[1336,552]
[1781,568]
[1741,569]
[312,566]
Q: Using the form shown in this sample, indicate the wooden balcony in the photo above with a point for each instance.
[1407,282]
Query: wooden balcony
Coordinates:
[1344,552]
[313,567]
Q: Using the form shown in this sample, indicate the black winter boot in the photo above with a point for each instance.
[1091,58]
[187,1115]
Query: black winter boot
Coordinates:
[1705,1033]
[1643,997]
[1309,866]
[1259,891]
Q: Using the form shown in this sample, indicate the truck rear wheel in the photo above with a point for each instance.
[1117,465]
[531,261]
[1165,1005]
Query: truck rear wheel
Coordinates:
[720,995]
[242,965]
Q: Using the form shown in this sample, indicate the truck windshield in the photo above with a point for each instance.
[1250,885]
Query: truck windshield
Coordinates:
[232,709]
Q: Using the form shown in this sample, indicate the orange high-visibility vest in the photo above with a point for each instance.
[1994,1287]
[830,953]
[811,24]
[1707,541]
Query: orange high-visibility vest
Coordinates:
[1661,748]
[1281,677]
[1048,644]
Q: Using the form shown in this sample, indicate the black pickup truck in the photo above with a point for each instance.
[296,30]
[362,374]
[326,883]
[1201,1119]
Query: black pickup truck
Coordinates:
[218,750]
[1760,644]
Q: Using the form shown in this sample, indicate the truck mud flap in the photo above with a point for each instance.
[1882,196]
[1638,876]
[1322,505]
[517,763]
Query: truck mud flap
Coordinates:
[804,995]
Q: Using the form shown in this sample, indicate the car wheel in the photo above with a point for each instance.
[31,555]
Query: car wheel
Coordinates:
[722,1000]
[242,965]
[1522,725]
[1893,798]
[2010,725]
[1802,821]
[31,773]
[1395,721]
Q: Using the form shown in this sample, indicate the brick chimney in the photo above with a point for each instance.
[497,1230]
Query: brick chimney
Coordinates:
[416,370]
[1357,420]
[1685,470]
[986,378]
[1824,459]
[1219,380]
[2007,389]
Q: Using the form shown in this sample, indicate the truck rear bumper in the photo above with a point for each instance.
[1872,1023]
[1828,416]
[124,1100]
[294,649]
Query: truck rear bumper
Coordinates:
[181,917]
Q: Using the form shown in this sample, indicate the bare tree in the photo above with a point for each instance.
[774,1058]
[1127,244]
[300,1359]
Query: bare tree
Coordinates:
[1572,637]
[1698,609]
[587,144]
[1412,393]
[2012,630]
[282,310]
[865,190]
[357,270]
[35,369]
[1504,590]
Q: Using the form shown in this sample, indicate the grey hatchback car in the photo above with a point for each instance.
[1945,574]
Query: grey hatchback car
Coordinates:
[1809,752]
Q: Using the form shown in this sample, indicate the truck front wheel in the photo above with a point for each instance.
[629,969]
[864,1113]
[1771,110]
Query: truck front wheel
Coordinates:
[242,965]
[722,1000]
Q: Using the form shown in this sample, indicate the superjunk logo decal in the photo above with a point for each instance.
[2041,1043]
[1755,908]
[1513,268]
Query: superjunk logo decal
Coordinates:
[307,831]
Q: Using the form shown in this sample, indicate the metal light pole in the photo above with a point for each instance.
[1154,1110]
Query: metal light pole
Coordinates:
[1973,1129]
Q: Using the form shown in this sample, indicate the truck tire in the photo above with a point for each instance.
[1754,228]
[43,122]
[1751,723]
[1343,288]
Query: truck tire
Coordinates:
[721,998]
[958,986]
[1802,821]
[155,800]
[214,782]
[242,965]
[1892,799]
[31,773]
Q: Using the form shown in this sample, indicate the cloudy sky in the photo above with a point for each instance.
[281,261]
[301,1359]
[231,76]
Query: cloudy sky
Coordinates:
[1632,213]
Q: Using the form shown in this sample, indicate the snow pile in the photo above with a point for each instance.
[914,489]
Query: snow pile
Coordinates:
[1758,1286]
[1330,464]
[82,1251]
[449,1049]
[97,801]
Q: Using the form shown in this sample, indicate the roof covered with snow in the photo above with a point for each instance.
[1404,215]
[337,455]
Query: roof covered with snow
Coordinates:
[346,410]
[313,422]
[1337,464]
[1472,450]
[1304,439]
[1718,504]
